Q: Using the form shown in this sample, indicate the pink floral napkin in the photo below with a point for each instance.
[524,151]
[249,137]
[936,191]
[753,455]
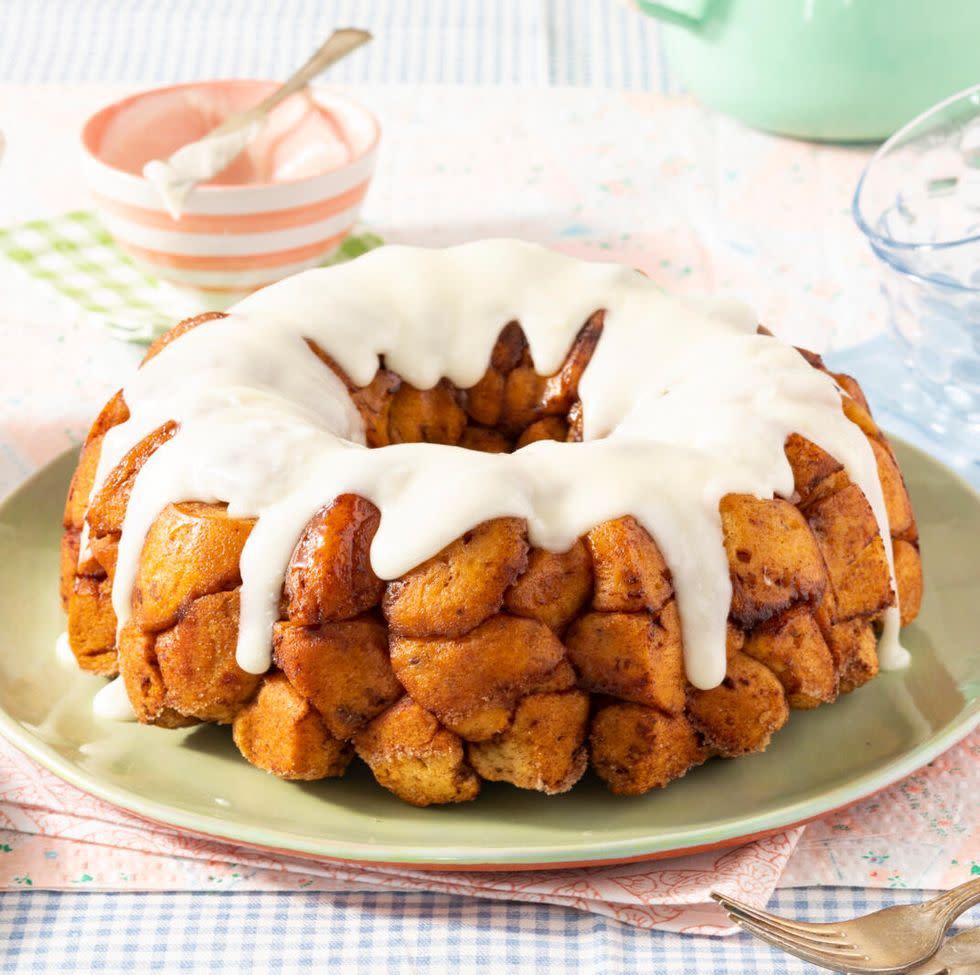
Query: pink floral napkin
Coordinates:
[922,833]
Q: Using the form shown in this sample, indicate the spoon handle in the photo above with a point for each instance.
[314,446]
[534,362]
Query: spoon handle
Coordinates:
[954,902]
[338,45]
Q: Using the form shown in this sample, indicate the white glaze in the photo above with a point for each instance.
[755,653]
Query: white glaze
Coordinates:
[683,403]
[112,702]
[197,162]
[63,652]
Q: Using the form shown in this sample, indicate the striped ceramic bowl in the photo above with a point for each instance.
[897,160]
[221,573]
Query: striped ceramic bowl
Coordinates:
[284,205]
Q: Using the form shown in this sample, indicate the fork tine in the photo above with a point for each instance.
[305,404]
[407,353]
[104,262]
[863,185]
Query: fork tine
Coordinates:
[852,954]
[818,932]
[836,960]
[818,944]
[731,903]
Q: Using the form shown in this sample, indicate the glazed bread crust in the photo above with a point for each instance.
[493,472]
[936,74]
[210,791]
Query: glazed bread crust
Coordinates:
[494,659]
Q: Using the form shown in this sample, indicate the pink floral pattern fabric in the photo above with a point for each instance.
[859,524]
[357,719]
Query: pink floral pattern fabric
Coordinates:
[922,833]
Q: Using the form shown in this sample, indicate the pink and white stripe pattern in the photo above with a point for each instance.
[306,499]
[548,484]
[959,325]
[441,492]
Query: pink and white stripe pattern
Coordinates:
[232,237]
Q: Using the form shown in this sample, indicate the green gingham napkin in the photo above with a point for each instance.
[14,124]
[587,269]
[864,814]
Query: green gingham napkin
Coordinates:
[74,255]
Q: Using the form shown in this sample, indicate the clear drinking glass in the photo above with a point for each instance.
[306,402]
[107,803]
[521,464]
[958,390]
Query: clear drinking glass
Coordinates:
[918,203]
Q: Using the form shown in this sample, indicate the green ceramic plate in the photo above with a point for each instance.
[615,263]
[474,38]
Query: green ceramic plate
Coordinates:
[194,779]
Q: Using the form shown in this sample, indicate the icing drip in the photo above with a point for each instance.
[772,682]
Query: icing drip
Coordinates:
[112,702]
[682,402]
[63,652]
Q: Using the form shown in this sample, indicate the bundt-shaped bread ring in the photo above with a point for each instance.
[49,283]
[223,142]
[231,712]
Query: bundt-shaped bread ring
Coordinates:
[496,658]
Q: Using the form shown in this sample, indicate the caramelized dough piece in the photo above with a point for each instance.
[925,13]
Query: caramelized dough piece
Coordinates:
[865,588]
[635,749]
[854,647]
[108,507]
[815,472]
[181,328]
[543,747]
[908,576]
[772,556]
[847,533]
[484,402]
[92,626]
[113,413]
[843,524]
[145,688]
[461,586]
[414,757]
[485,440]
[734,639]
[860,416]
[564,383]
[901,520]
[740,714]
[509,348]
[80,491]
[88,564]
[69,563]
[191,550]
[104,550]
[281,732]
[631,656]
[554,587]
[493,719]
[630,572]
[426,415]
[196,658]
[330,575]
[562,387]
[343,669]
[548,428]
[472,683]
[850,386]
[793,648]
[813,358]
[529,397]
[373,402]
[562,678]
[524,398]
[331,363]
[80,488]
[140,673]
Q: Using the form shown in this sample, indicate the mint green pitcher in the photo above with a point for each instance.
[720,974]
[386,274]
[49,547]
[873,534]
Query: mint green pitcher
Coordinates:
[838,70]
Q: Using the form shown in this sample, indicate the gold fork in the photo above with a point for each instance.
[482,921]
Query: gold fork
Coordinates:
[888,941]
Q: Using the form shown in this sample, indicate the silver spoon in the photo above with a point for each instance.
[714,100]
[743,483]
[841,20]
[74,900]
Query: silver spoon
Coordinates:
[174,177]
[960,955]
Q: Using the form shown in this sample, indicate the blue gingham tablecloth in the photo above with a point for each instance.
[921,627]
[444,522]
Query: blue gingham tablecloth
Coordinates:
[536,42]
[399,933]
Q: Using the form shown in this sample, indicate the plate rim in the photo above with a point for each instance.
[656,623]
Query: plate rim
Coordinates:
[721,834]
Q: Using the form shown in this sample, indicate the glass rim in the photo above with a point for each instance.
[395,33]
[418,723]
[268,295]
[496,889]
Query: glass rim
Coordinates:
[920,278]
[878,240]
